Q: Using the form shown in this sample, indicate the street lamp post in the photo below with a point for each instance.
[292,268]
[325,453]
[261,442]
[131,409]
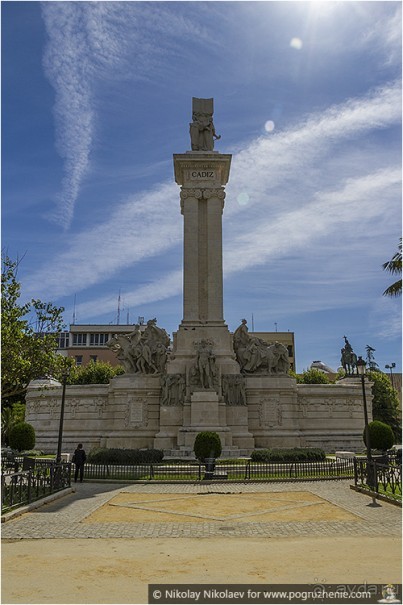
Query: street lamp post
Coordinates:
[65,375]
[390,367]
[361,366]
[361,372]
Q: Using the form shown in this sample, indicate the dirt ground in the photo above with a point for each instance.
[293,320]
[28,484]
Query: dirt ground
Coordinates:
[199,508]
[119,570]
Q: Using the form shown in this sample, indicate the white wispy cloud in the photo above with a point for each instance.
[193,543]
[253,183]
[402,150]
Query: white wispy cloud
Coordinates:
[298,195]
[143,226]
[67,67]
[90,42]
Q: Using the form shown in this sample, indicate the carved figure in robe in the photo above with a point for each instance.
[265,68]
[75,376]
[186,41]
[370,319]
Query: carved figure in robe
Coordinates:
[255,355]
[205,364]
[241,341]
[202,131]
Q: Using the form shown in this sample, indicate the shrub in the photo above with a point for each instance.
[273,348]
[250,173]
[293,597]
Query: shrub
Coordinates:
[33,453]
[22,437]
[124,456]
[289,455]
[313,376]
[381,436]
[95,372]
[207,445]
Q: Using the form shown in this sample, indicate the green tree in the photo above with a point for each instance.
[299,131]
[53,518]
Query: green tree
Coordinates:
[312,376]
[28,338]
[10,416]
[385,403]
[394,266]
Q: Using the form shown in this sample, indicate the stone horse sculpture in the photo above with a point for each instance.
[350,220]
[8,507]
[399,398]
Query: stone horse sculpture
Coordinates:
[142,353]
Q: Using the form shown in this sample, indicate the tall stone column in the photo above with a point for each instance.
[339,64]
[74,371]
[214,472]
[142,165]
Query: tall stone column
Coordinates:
[203,274]
[203,359]
[202,177]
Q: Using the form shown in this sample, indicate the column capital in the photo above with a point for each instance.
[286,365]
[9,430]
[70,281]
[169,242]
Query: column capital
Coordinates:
[218,193]
[199,194]
[196,193]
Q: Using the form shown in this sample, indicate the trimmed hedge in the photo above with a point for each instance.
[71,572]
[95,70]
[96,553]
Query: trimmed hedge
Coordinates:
[22,437]
[381,436]
[207,445]
[123,456]
[289,455]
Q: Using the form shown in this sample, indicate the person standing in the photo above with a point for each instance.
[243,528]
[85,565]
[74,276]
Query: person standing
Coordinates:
[79,459]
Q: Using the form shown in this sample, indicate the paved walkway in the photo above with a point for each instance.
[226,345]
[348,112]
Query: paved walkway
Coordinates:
[64,518]
[48,555]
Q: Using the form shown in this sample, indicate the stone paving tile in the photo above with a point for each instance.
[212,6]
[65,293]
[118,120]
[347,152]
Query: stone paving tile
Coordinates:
[63,518]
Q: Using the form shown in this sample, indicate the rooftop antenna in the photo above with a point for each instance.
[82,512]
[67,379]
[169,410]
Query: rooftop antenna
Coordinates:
[253,324]
[128,317]
[275,323]
[74,310]
[118,319]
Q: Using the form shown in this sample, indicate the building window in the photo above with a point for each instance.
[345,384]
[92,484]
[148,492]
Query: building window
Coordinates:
[93,358]
[97,340]
[79,360]
[63,340]
[290,351]
[79,339]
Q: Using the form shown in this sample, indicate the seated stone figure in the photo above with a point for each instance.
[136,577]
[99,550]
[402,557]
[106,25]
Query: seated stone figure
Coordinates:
[255,356]
[202,131]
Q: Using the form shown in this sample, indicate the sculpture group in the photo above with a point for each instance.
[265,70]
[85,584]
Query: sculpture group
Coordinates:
[142,352]
[254,355]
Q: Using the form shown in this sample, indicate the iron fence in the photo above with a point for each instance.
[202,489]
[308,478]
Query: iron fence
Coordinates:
[235,471]
[23,487]
[376,476]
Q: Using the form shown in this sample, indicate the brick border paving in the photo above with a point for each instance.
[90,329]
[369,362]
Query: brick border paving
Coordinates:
[63,518]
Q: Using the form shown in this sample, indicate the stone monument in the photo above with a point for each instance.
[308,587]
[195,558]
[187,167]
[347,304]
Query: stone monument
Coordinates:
[207,379]
[203,354]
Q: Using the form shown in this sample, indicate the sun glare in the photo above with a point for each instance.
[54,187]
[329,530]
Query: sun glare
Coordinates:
[296,43]
[269,126]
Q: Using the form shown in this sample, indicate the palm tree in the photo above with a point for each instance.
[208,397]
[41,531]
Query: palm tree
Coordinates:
[394,266]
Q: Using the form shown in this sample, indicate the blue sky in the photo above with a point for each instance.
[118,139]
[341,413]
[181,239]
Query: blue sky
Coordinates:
[96,98]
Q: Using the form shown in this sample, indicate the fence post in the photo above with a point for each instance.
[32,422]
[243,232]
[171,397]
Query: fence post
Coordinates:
[29,485]
[355,472]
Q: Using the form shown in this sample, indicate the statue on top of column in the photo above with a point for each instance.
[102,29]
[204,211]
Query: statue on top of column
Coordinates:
[202,131]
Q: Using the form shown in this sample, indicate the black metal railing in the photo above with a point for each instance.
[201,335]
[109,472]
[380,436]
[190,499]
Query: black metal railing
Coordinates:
[378,477]
[235,471]
[26,486]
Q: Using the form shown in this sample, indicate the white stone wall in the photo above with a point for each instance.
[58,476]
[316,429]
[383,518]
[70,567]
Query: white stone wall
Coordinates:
[127,413]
